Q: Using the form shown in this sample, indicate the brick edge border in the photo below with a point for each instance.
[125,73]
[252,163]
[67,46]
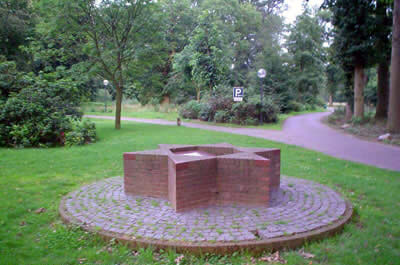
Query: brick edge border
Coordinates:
[255,247]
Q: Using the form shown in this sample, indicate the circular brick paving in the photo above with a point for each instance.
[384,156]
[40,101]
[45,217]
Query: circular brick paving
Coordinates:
[303,210]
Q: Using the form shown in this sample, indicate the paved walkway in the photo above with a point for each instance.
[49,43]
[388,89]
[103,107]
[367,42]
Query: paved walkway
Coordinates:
[308,131]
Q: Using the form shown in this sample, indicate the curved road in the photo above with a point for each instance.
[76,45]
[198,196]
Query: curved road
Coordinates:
[308,131]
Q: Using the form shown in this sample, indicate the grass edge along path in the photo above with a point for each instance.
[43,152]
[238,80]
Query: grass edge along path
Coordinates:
[31,179]
[171,114]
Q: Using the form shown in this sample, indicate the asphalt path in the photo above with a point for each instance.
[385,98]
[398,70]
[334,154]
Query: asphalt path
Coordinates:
[309,132]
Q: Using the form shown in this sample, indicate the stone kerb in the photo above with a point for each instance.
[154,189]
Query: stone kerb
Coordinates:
[199,176]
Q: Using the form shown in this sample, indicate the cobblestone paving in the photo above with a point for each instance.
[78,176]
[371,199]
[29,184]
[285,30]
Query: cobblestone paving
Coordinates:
[301,206]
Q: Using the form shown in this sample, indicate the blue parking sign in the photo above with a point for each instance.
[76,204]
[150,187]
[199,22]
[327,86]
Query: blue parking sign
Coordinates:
[238,93]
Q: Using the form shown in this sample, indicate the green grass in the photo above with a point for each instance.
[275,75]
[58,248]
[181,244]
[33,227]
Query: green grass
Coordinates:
[171,113]
[132,111]
[35,178]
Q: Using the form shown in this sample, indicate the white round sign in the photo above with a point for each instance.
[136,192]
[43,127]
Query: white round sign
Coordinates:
[261,73]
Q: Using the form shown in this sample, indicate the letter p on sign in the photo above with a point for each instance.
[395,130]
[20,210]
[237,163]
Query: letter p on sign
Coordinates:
[238,93]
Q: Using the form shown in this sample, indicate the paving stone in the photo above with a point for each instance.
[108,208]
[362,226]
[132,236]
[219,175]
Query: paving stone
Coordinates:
[300,206]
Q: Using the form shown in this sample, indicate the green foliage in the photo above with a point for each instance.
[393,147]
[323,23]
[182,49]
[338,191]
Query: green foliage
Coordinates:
[244,112]
[368,117]
[9,78]
[305,45]
[81,133]
[334,76]
[222,116]
[16,26]
[40,113]
[221,109]
[354,25]
[191,110]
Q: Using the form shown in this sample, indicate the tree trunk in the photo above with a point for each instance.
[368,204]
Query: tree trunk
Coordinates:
[330,100]
[349,113]
[394,96]
[198,94]
[359,82]
[383,91]
[118,105]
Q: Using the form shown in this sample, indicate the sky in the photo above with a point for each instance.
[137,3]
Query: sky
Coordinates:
[295,8]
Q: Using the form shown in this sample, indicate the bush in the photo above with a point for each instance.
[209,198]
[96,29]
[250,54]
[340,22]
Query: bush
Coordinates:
[81,133]
[222,116]
[248,112]
[368,117]
[223,109]
[206,113]
[269,111]
[294,106]
[190,110]
[40,114]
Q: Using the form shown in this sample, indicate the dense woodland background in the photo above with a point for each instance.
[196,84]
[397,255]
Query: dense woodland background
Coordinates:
[55,54]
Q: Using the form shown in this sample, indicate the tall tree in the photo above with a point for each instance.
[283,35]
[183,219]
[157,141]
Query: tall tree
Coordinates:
[382,34]
[353,21]
[394,98]
[305,45]
[115,31]
[224,28]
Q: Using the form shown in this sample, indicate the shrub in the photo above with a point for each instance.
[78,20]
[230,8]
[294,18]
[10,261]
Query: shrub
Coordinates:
[190,110]
[222,109]
[251,121]
[40,114]
[269,111]
[242,111]
[81,133]
[294,106]
[320,102]
[206,113]
[368,117]
[222,116]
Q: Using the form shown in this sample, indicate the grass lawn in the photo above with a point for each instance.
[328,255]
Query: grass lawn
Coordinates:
[132,111]
[37,178]
[171,113]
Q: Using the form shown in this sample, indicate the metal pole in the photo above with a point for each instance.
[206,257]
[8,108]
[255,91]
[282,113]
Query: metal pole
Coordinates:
[105,99]
[261,101]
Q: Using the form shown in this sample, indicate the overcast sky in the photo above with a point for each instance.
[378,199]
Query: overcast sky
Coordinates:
[295,8]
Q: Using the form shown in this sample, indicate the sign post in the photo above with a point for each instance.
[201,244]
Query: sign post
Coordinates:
[238,93]
[261,74]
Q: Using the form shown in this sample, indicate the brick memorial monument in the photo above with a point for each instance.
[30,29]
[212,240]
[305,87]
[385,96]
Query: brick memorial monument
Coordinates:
[204,175]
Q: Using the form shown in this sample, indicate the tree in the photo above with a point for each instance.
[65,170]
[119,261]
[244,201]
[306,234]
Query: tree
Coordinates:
[353,22]
[333,79]
[382,33]
[224,28]
[16,25]
[394,99]
[115,31]
[305,46]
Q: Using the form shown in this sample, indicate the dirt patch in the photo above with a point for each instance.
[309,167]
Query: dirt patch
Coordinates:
[368,129]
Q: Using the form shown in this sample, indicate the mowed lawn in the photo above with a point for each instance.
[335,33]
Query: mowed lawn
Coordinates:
[31,179]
